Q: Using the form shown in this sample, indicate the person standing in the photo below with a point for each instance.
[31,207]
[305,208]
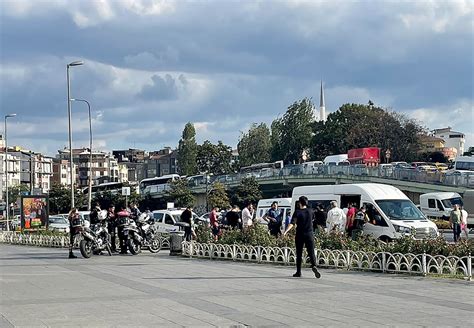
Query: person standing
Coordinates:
[122,218]
[274,219]
[336,220]
[464,227]
[303,219]
[455,221]
[73,221]
[360,219]
[233,217]
[112,227]
[319,222]
[247,216]
[94,214]
[351,212]
[213,220]
[187,217]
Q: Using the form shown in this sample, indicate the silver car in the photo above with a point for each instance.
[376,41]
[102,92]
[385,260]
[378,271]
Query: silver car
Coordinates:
[58,223]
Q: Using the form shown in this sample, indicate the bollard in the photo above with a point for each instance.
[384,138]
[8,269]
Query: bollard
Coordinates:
[348,257]
[469,267]
[176,239]
[384,262]
[423,263]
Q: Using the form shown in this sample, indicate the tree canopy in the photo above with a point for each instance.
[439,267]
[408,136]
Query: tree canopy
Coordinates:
[181,194]
[218,196]
[255,145]
[214,159]
[247,191]
[187,151]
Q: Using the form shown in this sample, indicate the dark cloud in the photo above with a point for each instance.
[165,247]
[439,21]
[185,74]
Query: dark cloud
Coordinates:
[162,88]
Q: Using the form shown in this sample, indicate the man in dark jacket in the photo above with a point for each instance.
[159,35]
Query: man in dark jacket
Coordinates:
[187,217]
[303,219]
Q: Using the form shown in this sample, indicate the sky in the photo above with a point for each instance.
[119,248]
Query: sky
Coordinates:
[152,66]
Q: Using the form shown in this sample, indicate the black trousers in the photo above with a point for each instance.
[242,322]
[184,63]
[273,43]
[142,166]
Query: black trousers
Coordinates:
[187,233]
[71,238]
[112,229]
[301,241]
[123,240]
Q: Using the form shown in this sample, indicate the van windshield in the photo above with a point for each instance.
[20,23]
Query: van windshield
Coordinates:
[448,203]
[400,209]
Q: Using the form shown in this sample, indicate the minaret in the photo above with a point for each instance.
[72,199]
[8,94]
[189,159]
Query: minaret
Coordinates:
[322,108]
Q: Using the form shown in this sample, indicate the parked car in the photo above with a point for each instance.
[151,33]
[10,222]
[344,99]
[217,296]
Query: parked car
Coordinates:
[165,220]
[441,167]
[426,168]
[58,223]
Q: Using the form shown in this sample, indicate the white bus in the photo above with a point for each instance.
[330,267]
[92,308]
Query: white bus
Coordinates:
[464,163]
[112,187]
[392,214]
[157,184]
[197,180]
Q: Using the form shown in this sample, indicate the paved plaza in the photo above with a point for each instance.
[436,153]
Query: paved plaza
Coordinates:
[41,288]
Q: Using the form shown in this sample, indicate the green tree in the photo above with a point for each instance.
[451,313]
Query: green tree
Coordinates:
[357,126]
[14,192]
[181,194]
[291,134]
[255,145]
[187,151]
[214,159]
[60,199]
[218,196]
[247,191]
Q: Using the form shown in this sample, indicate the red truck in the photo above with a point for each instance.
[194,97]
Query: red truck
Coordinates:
[370,156]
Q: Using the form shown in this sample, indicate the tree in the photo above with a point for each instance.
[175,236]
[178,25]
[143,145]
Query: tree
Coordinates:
[60,199]
[218,196]
[357,126]
[247,191]
[255,145]
[214,159]
[181,194]
[291,134]
[187,151]
[14,192]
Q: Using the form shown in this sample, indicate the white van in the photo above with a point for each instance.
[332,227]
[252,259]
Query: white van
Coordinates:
[335,159]
[468,199]
[284,204]
[392,214]
[439,204]
[312,167]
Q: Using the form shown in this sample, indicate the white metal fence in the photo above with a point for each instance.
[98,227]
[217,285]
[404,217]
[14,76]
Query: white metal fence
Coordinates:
[421,264]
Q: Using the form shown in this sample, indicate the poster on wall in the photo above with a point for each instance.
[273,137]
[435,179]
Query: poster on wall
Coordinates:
[34,212]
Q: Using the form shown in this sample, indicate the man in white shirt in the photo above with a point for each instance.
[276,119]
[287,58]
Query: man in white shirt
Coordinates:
[336,219]
[247,216]
[464,227]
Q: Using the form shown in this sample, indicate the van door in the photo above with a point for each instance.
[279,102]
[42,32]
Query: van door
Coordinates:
[377,225]
[432,210]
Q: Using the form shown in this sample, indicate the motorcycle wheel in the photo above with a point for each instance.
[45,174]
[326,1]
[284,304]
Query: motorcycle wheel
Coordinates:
[155,245]
[85,247]
[133,246]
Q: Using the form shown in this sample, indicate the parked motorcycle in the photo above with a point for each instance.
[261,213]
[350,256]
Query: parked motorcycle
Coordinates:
[95,237]
[142,232]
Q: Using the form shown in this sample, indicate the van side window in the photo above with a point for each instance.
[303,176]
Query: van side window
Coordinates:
[374,216]
[440,206]
[168,219]
[431,203]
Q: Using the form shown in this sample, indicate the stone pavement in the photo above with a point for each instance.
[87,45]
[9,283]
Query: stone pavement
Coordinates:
[39,287]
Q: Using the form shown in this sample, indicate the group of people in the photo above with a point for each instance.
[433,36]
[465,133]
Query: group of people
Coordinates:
[113,219]
[458,222]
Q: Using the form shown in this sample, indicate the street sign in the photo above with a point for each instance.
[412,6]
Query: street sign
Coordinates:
[125,191]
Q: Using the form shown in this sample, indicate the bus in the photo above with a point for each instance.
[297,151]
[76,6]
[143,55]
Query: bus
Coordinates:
[157,184]
[464,163]
[112,187]
[197,180]
[257,168]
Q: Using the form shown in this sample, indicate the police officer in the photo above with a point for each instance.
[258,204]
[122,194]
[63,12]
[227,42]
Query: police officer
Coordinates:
[112,226]
[303,219]
[123,215]
[73,215]
[94,215]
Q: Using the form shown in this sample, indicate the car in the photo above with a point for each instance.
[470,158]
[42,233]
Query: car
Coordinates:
[441,167]
[165,220]
[58,223]
[426,168]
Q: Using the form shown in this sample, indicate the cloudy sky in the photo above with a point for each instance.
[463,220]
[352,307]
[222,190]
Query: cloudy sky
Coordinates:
[152,66]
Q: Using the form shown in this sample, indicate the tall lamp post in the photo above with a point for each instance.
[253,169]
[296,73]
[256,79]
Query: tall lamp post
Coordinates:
[6,171]
[90,149]
[71,164]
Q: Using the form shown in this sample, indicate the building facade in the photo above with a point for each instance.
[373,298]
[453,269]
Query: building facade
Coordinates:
[452,139]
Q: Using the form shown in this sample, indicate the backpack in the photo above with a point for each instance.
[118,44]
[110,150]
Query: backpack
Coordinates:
[359,220]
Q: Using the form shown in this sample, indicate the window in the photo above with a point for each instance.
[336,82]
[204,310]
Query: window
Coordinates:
[158,217]
[431,203]
[440,207]
[168,219]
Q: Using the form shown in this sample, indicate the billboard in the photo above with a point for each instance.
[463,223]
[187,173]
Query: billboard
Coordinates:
[34,212]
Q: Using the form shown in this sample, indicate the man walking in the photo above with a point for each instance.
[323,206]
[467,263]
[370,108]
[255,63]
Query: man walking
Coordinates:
[303,219]
[455,221]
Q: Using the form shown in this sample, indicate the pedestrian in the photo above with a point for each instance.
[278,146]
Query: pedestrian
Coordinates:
[336,220]
[247,216]
[319,222]
[112,227]
[233,217]
[455,222]
[213,220]
[187,217]
[134,212]
[464,227]
[303,219]
[274,217]
[351,212]
[74,223]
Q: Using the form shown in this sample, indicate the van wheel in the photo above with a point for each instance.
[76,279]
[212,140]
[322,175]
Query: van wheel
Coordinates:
[385,239]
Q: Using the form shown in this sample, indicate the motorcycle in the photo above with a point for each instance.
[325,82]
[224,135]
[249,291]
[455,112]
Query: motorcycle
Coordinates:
[142,232]
[95,237]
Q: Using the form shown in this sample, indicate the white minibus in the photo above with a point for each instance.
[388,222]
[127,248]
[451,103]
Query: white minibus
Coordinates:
[284,205]
[392,214]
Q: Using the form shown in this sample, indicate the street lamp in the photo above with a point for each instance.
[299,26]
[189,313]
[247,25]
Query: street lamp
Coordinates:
[71,165]
[90,149]
[6,170]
